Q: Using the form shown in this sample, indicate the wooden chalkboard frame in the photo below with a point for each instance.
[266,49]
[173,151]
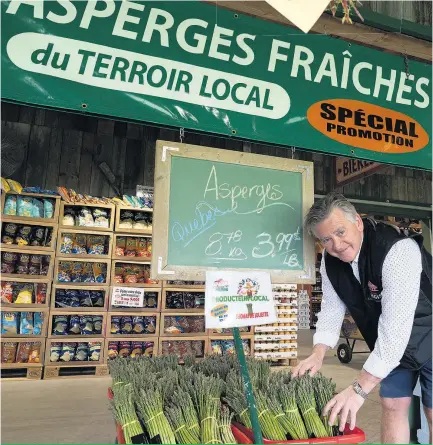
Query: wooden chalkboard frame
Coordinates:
[160,270]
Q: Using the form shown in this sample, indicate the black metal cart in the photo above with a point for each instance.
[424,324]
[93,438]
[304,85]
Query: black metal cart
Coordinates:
[350,332]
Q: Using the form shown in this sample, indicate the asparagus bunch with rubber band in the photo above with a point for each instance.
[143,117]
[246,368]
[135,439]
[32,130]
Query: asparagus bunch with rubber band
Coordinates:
[324,390]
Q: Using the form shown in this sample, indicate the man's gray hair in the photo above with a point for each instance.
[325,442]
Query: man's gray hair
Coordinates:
[322,208]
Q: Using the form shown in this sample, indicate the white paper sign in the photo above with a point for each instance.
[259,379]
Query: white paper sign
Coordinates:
[237,299]
[127,296]
[297,11]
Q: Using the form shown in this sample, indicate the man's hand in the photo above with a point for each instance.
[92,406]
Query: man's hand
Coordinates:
[344,404]
[313,363]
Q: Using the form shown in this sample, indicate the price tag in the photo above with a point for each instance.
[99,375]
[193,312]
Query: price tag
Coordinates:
[127,296]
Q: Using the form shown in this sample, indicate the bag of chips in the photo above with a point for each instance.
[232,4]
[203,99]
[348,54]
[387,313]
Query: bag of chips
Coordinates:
[126,219]
[23,352]
[96,245]
[37,208]
[87,273]
[94,351]
[26,323]
[86,325]
[9,233]
[38,321]
[9,352]
[77,272]
[55,351]
[99,272]
[138,325]
[126,325]
[64,272]
[101,217]
[115,325]
[85,298]
[45,266]
[66,244]
[60,325]
[38,236]
[35,264]
[113,349]
[35,353]
[48,208]
[9,262]
[11,205]
[9,323]
[120,246]
[6,292]
[41,293]
[73,298]
[74,325]
[85,218]
[68,352]
[79,244]
[216,347]
[82,353]
[148,348]
[137,349]
[124,349]
[140,221]
[68,217]
[23,263]
[24,206]
[150,325]
[97,298]
[131,247]
[97,324]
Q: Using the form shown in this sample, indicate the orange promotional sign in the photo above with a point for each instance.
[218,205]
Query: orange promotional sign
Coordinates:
[370,127]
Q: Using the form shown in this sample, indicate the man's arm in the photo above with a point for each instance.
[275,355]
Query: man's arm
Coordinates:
[401,275]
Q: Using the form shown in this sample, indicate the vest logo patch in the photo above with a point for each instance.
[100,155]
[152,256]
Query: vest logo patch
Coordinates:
[375,293]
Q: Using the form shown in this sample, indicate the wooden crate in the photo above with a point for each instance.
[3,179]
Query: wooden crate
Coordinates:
[45,305]
[72,286]
[28,219]
[68,372]
[50,341]
[204,339]
[156,290]
[83,256]
[186,287]
[43,333]
[119,209]
[249,337]
[139,263]
[77,337]
[162,332]
[50,248]
[108,333]
[132,338]
[135,258]
[28,277]
[35,366]
[178,289]
[87,260]
[110,207]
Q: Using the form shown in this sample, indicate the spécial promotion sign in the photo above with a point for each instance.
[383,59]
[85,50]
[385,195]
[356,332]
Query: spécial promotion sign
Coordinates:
[237,299]
[179,64]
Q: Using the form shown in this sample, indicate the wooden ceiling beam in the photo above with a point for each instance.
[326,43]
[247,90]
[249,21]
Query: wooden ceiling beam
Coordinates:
[364,35]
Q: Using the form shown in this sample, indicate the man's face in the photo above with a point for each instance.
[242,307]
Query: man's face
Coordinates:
[341,237]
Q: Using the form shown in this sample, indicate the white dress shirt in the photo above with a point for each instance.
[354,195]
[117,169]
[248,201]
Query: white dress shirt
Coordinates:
[401,275]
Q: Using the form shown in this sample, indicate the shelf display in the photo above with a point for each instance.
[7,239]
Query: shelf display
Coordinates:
[180,299]
[88,272]
[27,236]
[129,324]
[229,331]
[127,347]
[67,297]
[24,293]
[33,265]
[74,352]
[134,220]
[23,323]
[182,324]
[131,273]
[73,243]
[137,247]
[226,346]
[303,310]
[21,352]
[179,284]
[182,348]
[97,217]
[316,294]
[76,325]
[26,207]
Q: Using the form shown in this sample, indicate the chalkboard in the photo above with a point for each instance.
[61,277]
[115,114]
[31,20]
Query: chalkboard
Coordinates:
[218,209]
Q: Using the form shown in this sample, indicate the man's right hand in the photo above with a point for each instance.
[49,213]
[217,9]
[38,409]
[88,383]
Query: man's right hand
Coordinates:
[313,363]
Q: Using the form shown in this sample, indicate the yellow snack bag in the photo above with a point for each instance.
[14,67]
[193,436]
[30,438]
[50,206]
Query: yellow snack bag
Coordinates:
[4,185]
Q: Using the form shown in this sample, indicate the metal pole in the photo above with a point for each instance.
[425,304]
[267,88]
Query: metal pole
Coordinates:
[248,387]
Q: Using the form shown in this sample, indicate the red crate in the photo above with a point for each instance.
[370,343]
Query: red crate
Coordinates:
[354,436]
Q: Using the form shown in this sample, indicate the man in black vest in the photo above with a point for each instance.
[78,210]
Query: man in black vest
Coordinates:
[384,280]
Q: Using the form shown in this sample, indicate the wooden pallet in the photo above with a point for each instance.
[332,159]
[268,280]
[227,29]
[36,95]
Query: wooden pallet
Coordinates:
[67,372]
[21,371]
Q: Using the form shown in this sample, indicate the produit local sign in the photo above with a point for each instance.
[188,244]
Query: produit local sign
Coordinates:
[174,63]
[237,299]
[127,296]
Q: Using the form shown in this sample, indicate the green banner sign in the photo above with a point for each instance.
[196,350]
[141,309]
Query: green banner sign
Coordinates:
[189,65]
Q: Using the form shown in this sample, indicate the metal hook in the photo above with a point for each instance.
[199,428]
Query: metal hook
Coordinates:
[181,134]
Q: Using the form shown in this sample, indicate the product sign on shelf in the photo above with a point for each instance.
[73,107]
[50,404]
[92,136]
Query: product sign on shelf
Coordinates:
[237,299]
[127,296]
